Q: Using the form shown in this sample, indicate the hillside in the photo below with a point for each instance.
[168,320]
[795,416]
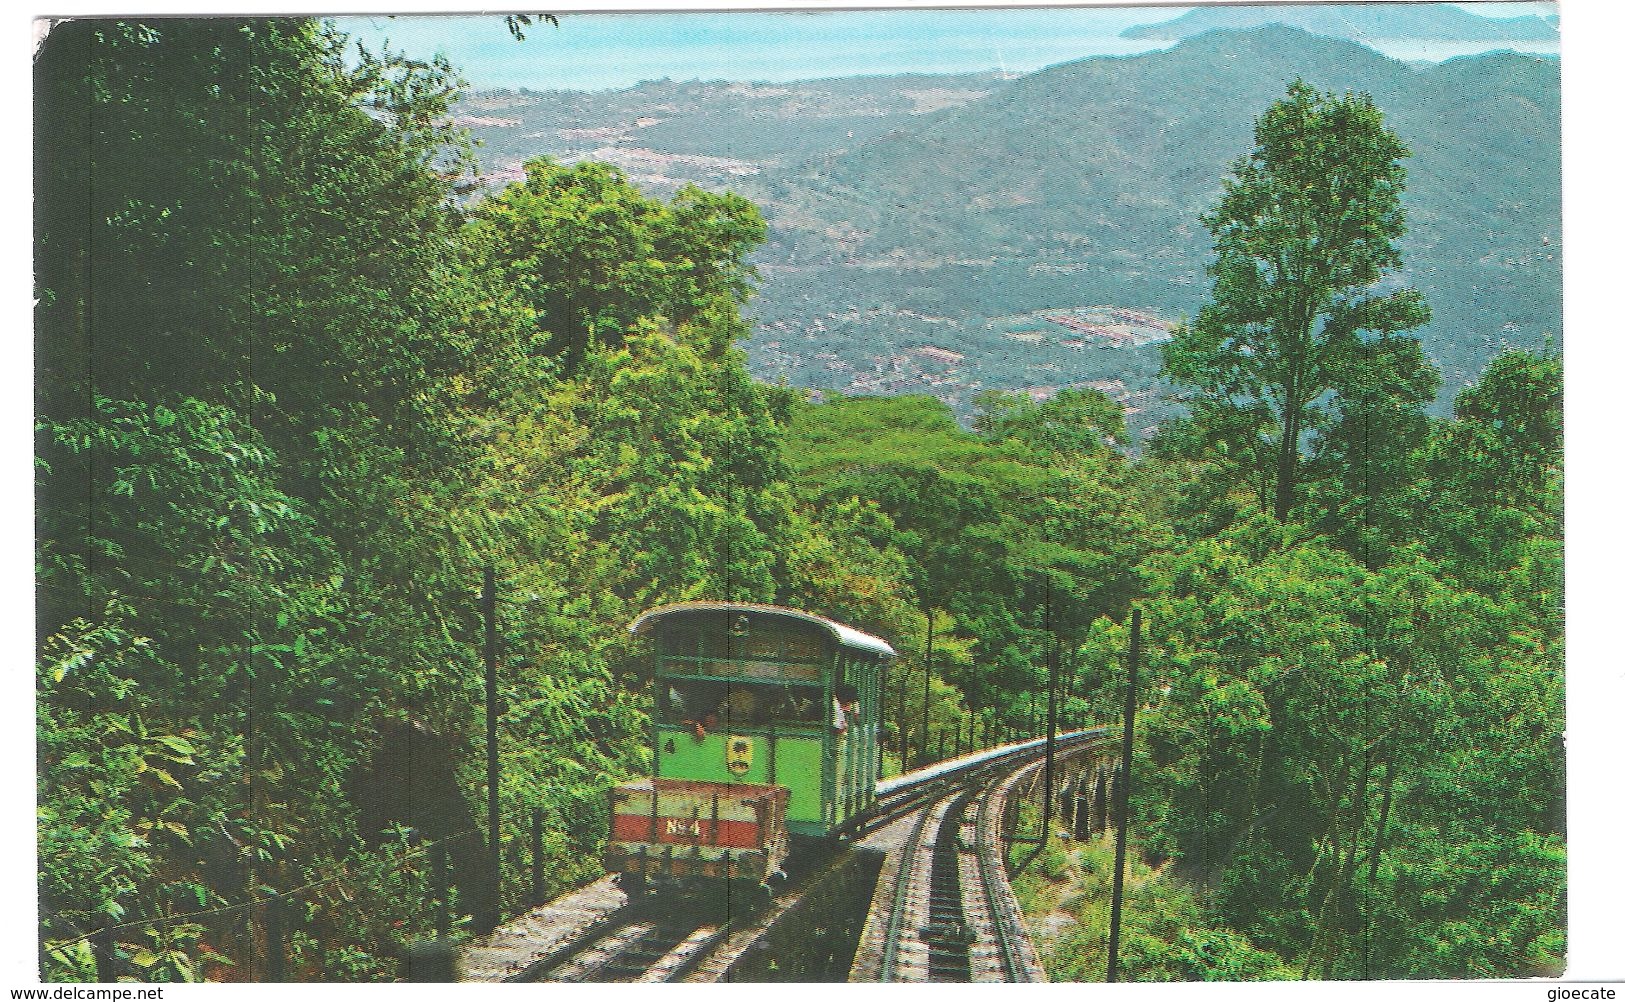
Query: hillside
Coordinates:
[952,233]
[1083,184]
[717,130]
[1356,21]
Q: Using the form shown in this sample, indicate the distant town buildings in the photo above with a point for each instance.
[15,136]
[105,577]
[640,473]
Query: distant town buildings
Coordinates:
[940,354]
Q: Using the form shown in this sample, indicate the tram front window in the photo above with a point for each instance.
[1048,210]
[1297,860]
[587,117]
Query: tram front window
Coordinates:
[688,702]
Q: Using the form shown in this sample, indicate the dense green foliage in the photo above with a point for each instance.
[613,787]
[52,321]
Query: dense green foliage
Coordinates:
[1169,931]
[590,256]
[992,527]
[247,316]
[297,389]
[1344,700]
[295,392]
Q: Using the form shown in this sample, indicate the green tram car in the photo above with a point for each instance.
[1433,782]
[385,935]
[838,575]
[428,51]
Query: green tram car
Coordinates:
[766,726]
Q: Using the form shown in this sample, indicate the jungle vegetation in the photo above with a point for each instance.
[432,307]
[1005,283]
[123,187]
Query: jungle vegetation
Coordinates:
[297,386]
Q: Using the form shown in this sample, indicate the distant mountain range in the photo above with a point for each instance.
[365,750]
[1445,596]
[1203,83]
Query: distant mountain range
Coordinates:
[1083,184]
[767,124]
[949,234]
[1430,21]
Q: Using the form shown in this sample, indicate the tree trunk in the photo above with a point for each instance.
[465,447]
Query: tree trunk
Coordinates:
[1323,945]
[1347,914]
[1371,872]
[1286,465]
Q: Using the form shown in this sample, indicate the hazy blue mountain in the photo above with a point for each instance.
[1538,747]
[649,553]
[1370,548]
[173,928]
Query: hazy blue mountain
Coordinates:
[1084,183]
[1358,22]
[959,213]
[761,124]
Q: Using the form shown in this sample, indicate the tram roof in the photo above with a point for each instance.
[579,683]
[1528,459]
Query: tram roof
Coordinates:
[842,634]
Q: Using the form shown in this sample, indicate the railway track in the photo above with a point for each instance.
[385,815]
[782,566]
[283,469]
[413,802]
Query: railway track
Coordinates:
[650,940]
[947,932]
[896,797]
[953,916]
[952,919]
[943,925]
[636,943]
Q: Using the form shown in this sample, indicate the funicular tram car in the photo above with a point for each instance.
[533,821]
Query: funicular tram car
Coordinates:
[766,730]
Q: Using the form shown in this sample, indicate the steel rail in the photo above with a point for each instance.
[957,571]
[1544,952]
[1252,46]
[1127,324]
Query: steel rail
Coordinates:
[990,867]
[905,876]
[995,882]
[984,780]
[701,951]
[947,933]
[671,939]
[664,940]
[897,798]
[902,794]
[614,922]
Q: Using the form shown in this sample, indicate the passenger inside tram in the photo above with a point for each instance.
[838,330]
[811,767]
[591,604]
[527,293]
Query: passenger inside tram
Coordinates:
[707,705]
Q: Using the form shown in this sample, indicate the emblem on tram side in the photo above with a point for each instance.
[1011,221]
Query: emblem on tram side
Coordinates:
[739,754]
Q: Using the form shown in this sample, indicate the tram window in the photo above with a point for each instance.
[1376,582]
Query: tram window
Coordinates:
[713,704]
[792,704]
[686,701]
[741,637]
[683,641]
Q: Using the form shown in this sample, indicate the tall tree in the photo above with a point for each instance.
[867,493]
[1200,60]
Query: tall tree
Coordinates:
[246,325]
[1304,236]
[228,202]
[984,524]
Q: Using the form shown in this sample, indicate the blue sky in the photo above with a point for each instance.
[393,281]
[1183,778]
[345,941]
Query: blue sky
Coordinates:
[596,51]
[591,51]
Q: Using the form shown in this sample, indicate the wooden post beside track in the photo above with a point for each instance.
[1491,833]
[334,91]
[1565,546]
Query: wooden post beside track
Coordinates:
[102,948]
[1049,732]
[925,690]
[276,956]
[538,858]
[492,910]
[1122,791]
[442,888]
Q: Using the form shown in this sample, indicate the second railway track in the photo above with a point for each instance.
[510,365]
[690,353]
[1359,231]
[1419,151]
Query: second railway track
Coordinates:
[952,916]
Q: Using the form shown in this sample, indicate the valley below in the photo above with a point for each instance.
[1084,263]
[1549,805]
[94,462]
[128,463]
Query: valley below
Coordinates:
[926,230]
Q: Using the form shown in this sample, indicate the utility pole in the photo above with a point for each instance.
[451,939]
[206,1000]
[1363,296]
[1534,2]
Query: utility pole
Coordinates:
[880,732]
[1049,733]
[902,718]
[493,909]
[1122,795]
[1070,688]
[925,690]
